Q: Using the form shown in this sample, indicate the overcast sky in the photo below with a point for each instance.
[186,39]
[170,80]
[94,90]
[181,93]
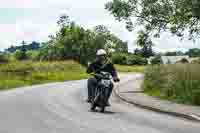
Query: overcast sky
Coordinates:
[35,19]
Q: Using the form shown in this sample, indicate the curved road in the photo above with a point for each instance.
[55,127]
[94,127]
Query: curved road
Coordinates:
[60,108]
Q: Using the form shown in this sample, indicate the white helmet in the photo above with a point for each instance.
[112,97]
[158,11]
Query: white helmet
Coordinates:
[101,52]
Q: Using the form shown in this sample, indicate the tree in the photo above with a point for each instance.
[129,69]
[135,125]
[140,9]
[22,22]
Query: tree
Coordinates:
[180,17]
[195,52]
[145,42]
[75,42]
[20,55]
[34,45]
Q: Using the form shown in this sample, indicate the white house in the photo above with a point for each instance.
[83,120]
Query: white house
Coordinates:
[173,59]
[170,59]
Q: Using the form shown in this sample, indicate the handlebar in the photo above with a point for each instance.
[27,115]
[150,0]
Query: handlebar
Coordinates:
[101,76]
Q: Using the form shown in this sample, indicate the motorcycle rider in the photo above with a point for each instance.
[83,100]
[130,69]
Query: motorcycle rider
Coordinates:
[101,63]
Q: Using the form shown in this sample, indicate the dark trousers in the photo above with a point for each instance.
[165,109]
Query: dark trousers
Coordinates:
[92,84]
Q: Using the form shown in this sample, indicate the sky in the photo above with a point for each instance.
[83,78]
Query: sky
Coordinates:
[30,20]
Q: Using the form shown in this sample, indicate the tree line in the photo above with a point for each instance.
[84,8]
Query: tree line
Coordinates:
[71,41]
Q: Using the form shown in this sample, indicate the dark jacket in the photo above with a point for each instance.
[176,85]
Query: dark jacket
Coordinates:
[96,67]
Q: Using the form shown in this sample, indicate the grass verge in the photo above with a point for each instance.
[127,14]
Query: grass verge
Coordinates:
[18,74]
[123,68]
[179,83]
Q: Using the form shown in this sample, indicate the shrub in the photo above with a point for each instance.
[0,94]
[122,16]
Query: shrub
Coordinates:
[20,55]
[119,58]
[156,60]
[184,60]
[136,60]
[3,58]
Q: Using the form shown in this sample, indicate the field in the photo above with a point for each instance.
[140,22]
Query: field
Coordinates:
[19,74]
[122,68]
[179,83]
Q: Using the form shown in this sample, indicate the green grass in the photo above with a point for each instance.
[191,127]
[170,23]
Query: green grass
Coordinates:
[26,73]
[179,83]
[17,74]
[123,68]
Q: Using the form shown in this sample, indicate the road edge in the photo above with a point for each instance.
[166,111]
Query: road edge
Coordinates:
[176,114]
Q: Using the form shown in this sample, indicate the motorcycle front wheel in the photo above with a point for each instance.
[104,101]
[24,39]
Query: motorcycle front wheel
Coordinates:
[102,109]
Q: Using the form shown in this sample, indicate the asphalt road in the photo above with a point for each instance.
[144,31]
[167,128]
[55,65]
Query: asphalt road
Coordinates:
[60,108]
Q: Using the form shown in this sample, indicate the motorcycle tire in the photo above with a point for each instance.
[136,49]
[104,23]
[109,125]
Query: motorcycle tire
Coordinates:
[93,107]
[102,109]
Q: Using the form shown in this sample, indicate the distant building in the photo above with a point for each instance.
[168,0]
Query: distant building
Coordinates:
[170,59]
[173,59]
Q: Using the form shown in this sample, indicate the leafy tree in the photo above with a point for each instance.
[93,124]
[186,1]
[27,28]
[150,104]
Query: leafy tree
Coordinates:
[180,17]
[145,42]
[32,46]
[74,42]
[20,55]
[175,53]
[195,52]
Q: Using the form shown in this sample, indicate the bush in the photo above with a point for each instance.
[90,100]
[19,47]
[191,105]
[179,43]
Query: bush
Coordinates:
[156,60]
[119,58]
[3,58]
[128,59]
[136,60]
[20,55]
[179,82]
[184,60]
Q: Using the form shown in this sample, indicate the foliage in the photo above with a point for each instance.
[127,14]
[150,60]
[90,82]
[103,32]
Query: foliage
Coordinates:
[176,53]
[184,60]
[119,58]
[144,41]
[32,46]
[195,52]
[180,17]
[74,42]
[20,55]
[179,82]
[3,58]
[136,60]
[156,60]
[128,59]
